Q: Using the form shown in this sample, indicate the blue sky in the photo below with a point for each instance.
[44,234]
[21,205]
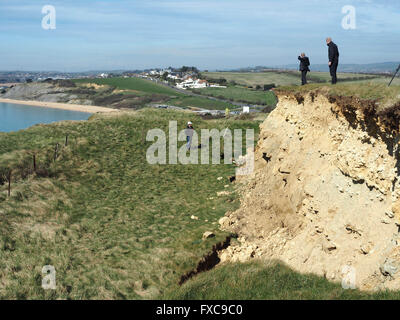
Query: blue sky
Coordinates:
[218,34]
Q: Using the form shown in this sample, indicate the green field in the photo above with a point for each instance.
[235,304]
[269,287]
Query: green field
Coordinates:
[137,93]
[199,102]
[147,92]
[266,280]
[381,80]
[240,94]
[134,84]
[385,96]
[280,78]
[113,226]
[116,227]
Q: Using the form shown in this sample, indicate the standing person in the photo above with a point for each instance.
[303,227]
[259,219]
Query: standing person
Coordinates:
[304,68]
[333,54]
[189,134]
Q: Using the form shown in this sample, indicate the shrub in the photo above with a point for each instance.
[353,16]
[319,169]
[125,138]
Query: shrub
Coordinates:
[269,86]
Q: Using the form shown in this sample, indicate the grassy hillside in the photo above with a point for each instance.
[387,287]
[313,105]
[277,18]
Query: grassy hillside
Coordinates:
[141,87]
[384,96]
[199,102]
[137,93]
[253,79]
[136,85]
[265,281]
[240,94]
[113,226]
[281,78]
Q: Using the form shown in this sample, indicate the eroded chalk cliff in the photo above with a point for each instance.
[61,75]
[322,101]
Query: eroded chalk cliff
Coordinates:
[325,194]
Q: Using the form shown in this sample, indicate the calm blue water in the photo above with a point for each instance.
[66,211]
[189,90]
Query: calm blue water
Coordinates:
[14,117]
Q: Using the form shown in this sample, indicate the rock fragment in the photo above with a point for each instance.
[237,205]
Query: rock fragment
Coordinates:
[208,235]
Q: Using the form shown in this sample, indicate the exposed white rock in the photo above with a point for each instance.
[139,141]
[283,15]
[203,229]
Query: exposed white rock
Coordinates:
[326,197]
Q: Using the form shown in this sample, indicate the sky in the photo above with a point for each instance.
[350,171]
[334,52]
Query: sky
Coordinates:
[218,34]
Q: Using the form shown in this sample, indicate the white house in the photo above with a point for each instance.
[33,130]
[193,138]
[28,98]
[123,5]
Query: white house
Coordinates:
[217,86]
[192,84]
[155,73]
[174,77]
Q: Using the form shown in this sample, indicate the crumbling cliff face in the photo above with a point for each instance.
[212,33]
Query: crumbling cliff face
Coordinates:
[325,195]
[50,91]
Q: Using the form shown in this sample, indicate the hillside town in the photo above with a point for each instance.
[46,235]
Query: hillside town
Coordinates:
[183,78]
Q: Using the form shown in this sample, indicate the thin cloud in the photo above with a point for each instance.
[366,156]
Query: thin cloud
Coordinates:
[209,34]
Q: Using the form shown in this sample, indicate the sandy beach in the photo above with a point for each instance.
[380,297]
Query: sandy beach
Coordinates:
[55,105]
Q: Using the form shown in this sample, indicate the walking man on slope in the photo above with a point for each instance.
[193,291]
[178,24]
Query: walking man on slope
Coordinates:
[333,53]
[304,64]
[189,134]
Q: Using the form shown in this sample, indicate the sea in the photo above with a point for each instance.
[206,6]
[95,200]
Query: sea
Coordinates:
[14,117]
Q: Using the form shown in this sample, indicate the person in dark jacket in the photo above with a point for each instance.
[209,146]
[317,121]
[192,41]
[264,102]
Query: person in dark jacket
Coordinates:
[189,134]
[333,53]
[304,68]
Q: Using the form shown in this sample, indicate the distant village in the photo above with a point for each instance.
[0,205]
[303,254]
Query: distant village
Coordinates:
[182,78]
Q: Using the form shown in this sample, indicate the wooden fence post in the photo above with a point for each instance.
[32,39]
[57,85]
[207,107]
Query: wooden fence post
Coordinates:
[9,183]
[56,152]
[34,163]
[66,140]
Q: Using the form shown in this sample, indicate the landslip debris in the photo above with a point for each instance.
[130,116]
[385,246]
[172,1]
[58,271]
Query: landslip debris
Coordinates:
[324,193]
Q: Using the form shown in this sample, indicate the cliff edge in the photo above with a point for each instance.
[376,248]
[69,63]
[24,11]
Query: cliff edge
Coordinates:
[324,196]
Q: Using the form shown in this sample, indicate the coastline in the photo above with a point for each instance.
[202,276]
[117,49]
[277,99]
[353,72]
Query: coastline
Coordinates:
[63,106]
